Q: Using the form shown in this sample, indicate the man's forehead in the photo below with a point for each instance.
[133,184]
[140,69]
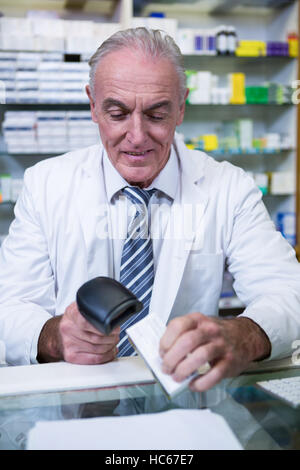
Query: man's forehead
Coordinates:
[128,65]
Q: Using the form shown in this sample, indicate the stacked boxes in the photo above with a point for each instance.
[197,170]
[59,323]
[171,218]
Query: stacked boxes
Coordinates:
[10,188]
[223,41]
[293,44]
[204,89]
[168,25]
[48,131]
[84,37]
[44,34]
[31,77]
[286,224]
[237,87]
[251,48]
[238,137]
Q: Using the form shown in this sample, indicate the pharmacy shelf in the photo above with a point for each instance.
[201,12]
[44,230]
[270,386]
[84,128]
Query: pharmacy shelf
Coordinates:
[238,57]
[41,106]
[84,106]
[250,152]
[11,204]
[240,105]
[84,57]
[215,153]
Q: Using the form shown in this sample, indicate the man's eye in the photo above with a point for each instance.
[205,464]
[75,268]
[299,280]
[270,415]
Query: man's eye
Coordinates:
[156,118]
[117,116]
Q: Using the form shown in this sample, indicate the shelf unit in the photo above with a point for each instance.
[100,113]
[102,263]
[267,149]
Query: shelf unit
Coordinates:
[262,23]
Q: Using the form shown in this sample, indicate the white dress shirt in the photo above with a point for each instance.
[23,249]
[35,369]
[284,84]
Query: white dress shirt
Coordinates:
[166,184]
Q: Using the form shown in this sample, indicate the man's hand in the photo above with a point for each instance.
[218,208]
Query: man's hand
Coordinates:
[228,345]
[70,337]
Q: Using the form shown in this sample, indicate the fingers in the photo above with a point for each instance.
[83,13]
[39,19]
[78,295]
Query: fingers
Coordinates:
[192,348]
[176,328]
[211,378]
[82,342]
[87,356]
[205,354]
[195,340]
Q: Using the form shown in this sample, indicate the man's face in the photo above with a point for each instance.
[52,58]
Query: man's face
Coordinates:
[136,105]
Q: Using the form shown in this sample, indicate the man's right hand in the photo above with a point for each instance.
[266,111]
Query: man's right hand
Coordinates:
[70,337]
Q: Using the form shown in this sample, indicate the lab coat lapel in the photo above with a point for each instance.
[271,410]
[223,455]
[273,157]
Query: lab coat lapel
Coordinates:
[93,217]
[175,250]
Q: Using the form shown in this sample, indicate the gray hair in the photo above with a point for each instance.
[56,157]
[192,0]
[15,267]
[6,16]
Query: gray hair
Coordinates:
[152,42]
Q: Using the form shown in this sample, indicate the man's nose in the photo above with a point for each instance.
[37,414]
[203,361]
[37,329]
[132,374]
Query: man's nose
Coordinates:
[137,131]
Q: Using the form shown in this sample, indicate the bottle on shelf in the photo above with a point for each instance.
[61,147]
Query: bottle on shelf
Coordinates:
[221,40]
[231,40]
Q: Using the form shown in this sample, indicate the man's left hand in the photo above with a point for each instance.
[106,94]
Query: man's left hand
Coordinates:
[228,345]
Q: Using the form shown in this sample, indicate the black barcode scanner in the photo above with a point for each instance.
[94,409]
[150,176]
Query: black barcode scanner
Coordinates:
[106,303]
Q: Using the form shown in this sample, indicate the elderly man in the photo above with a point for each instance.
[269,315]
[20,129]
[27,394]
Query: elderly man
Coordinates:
[137,95]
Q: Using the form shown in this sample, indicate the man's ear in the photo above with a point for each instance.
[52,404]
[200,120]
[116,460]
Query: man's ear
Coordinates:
[92,103]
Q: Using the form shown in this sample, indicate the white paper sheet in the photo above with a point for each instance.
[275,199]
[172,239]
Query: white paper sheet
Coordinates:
[59,376]
[174,429]
[145,335]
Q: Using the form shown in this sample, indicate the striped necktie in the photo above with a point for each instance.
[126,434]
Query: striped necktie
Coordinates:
[137,271]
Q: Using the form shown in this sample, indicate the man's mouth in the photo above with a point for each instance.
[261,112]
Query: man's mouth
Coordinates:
[136,154]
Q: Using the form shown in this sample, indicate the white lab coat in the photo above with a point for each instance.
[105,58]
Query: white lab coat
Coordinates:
[54,246]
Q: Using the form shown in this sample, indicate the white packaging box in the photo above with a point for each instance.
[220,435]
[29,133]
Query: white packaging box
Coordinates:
[26,75]
[52,56]
[204,85]
[74,76]
[27,134]
[8,65]
[26,84]
[50,115]
[28,57]
[10,96]
[185,40]
[19,119]
[283,183]
[16,42]
[78,28]
[168,25]
[16,188]
[74,116]
[5,187]
[8,55]
[53,85]
[48,75]
[102,31]
[8,83]
[73,85]
[52,131]
[81,44]
[273,141]
[49,96]
[75,97]
[48,27]
[53,148]
[50,66]
[245,133]
[9,24]
[27,96]
[74,66]
[262,181]
[73,132]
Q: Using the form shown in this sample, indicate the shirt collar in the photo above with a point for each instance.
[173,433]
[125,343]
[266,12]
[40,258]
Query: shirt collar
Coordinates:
[166,181]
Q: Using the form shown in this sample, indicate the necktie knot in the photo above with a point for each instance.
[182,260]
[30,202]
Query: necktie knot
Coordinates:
[138,195]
